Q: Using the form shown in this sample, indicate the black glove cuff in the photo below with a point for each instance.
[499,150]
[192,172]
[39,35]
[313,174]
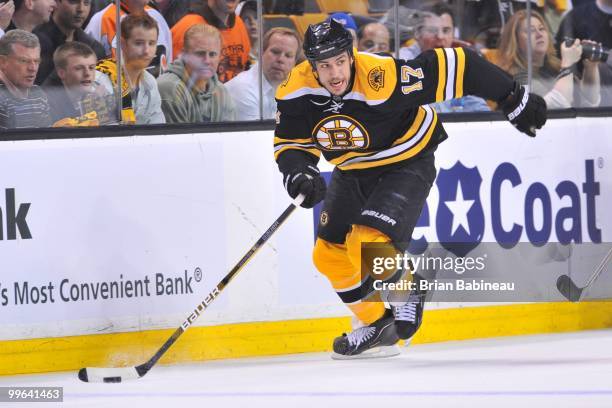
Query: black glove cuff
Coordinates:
[516,102]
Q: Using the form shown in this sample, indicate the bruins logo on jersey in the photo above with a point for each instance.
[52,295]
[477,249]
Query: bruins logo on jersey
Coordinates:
[376,78]
[341,132]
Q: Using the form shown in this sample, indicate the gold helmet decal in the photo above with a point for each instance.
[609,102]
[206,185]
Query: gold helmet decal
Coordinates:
[341,132]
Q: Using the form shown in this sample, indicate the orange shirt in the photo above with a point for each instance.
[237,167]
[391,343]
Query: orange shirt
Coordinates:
[234,50]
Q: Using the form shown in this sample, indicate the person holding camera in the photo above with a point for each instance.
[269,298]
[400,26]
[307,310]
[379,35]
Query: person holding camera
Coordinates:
[593,20]
[555,79]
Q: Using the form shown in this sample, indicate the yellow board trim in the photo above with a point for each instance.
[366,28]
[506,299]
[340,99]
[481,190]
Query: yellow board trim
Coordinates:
[289,337]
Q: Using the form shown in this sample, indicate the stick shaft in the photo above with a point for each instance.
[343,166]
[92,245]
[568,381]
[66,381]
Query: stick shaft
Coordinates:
[145,367]
[600,268]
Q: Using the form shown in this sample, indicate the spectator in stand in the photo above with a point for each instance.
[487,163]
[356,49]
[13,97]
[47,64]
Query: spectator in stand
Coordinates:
[141,101]
[190,90]
[281,50]
[437,31]
[482,21]
[102,28]
[22,104]
[295,7]
[578,3]
[247,10]
[431,31]
[373,37]
[406,22]
[30,13]
[6,15]
[172,10]
[592,21]
[65,25]
[553,79]
[76,98]
[553,12]
[348,22]
[235,47]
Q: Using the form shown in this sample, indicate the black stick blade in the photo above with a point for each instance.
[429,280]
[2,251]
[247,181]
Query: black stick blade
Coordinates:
[83,375]
[568,288]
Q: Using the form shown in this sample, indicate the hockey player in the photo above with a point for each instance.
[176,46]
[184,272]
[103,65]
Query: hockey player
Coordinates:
[368,115]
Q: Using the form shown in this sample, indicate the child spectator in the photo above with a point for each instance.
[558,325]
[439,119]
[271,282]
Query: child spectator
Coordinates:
[77,98]
[102,27]
[141,103]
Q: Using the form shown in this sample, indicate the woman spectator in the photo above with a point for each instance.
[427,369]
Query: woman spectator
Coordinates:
[552,78]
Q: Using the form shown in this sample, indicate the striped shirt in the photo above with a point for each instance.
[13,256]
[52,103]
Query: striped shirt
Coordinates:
[30,112]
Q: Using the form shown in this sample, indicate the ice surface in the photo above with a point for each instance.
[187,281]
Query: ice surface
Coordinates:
[556,370]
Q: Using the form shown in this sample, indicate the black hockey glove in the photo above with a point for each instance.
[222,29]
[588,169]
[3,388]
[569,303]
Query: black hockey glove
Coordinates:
[526,111]
[308,181]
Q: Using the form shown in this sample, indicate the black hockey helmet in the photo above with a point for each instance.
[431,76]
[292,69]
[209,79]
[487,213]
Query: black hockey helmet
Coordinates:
[326,39]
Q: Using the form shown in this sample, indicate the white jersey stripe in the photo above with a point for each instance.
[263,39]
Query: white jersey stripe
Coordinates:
[401,148]
[451,67]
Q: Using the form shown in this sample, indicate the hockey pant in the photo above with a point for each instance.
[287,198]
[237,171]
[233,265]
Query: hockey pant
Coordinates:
[350,277]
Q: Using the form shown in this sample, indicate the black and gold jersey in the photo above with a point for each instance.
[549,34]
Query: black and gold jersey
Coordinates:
[383,118]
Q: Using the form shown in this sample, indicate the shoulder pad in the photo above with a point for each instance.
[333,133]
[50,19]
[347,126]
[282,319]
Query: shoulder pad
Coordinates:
[375,77]
[301,81]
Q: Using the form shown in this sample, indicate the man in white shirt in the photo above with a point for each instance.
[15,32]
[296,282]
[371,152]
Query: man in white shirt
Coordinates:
[281,48]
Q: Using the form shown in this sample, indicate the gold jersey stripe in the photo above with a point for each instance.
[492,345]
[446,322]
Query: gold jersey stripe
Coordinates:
[460,72]
[414,128]
[314,151]
[441,74]
[339,160]
[278,140]
[403,156]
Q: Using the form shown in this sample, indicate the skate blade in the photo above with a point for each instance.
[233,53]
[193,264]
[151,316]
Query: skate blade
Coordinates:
[405,343]
[376,352]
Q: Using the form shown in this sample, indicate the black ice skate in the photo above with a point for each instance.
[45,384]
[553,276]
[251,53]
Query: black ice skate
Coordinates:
[408,317]
[374,341]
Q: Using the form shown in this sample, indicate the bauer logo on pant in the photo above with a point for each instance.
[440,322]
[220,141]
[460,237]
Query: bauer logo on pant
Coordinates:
[324,218]
[341,132]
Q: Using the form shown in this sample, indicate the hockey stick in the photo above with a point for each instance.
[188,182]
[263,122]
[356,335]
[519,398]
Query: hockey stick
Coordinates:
[570,290]
[119,374]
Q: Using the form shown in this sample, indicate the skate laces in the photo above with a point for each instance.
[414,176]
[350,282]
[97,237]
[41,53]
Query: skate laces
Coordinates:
[360,335]
[406,312]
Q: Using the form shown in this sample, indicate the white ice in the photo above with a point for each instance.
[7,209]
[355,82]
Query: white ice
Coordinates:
[555,370]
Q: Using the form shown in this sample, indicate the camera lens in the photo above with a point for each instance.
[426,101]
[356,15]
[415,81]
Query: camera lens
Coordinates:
[594,52]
